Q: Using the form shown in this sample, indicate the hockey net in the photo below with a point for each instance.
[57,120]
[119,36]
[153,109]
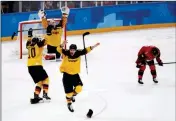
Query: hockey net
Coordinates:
[38,30]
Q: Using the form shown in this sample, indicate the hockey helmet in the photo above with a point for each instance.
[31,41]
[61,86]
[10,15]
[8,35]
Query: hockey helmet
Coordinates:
[73,46]
[52,22]
[155,51]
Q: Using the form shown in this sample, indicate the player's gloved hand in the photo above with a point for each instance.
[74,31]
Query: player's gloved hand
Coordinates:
[138,66]
[30,32]
[42,14]
[65,11]
[63,43]
[97,44]
[160,63]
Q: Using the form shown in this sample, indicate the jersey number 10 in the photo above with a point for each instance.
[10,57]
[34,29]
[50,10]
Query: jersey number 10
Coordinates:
[31,53]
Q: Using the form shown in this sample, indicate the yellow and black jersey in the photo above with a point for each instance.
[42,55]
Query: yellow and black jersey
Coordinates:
[71,64]
[35,51]
[54,33]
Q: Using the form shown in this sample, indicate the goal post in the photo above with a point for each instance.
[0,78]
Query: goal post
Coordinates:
[23,35]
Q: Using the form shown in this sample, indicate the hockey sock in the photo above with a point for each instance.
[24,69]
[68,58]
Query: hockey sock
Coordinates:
[153,72]
[69,97]
[45,85]
[140,74]
[69,100]
[38,88]
[74,93]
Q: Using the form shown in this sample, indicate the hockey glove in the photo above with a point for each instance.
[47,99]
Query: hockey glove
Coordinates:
[160,63]
[30,32]
[65,11]
[139,64]
[42,14]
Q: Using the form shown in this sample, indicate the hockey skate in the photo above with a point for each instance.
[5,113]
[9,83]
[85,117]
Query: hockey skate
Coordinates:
[70,107]
[155,80]
[45,97]
[36,99]
[140,81]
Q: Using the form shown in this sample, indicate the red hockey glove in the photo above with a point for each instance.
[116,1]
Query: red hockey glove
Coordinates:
[139,64]
[160,63]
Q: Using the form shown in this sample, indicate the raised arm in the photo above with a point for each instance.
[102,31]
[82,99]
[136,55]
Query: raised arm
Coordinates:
[65,12]
[42,16]
[61,49]
[88,49]
[31,40]
[30,35]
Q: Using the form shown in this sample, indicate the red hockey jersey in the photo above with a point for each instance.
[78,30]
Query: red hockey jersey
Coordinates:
[146,51]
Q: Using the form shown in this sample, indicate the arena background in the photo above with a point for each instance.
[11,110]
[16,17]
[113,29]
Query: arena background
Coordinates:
[93,16]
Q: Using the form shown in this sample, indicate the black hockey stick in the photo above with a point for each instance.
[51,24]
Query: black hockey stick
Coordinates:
[86,33]
[13,35]
[167,63]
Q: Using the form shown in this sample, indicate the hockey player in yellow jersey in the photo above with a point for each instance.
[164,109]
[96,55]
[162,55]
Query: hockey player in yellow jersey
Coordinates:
[35,48]
[70,68]
[53,32]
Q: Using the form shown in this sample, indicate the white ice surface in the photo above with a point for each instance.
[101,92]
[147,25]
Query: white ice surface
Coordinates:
[110,88]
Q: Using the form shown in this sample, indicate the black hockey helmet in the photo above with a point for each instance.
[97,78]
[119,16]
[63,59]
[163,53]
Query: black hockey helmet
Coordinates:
[73,46]
[155,51]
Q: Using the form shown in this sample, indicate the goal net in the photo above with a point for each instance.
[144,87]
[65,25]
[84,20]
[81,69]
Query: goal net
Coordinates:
[38,30]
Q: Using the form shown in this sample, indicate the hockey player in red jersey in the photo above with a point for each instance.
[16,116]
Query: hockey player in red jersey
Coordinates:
[146,56]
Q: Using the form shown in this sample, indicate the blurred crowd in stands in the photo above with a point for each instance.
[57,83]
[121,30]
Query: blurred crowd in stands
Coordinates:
[27,6]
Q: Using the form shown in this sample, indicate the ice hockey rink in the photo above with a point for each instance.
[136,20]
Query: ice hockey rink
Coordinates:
[110,88]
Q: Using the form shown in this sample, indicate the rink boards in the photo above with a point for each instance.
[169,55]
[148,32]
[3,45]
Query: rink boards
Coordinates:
[103,18]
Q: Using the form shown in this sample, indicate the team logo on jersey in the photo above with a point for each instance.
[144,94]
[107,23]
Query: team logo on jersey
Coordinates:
[55,32]
[72,60]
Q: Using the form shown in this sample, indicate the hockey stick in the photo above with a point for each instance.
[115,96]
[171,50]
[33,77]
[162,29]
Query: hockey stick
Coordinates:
[104,107]
[86,33]
[13,35]
[167,63]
